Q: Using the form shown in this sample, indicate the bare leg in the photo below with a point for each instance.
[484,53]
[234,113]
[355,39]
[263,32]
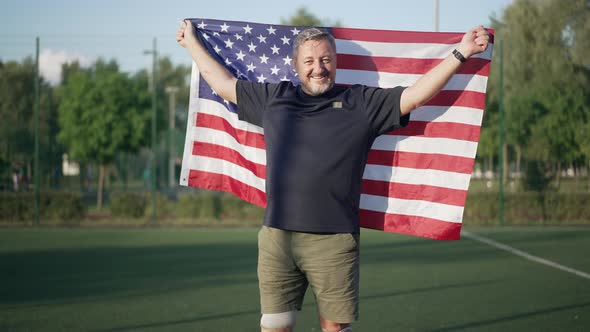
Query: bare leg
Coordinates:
[285,329]
[332,326]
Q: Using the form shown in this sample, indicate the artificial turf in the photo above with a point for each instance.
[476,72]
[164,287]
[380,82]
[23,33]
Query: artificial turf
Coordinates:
[205,280]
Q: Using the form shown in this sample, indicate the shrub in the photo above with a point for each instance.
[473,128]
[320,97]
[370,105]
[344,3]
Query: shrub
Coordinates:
[17,206]
[202,205]
[165,206]
[53,205]
[528,208]
[128,204]
[253,212]
[65,206]
[188,206]
[232,207]
[208,205]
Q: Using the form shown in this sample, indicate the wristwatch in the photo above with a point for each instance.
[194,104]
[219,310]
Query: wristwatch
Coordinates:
[459,56]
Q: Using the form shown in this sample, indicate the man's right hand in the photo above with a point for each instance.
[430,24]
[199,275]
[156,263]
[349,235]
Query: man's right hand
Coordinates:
[218,77]
[186,35]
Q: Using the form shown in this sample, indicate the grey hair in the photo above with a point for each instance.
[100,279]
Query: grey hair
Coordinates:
[311,34]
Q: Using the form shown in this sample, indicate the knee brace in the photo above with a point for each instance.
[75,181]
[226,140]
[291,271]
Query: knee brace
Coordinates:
[278,321]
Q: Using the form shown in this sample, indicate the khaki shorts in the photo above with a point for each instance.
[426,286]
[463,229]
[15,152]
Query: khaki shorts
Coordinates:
[329,263]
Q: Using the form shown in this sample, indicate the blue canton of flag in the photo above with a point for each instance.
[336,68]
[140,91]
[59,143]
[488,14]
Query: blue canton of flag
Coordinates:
[250,51]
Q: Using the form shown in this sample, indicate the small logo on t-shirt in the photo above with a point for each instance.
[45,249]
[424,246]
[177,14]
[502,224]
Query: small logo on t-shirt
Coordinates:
[337,104]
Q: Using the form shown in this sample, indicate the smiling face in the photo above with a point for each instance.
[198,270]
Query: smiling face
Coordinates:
[315,64]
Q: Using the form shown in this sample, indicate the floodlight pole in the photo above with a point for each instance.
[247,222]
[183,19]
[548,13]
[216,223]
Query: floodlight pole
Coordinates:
[436,15]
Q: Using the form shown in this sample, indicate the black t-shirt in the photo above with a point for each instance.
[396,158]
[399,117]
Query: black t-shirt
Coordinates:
[316,149]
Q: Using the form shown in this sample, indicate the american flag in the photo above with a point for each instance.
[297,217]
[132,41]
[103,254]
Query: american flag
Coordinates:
[416,178]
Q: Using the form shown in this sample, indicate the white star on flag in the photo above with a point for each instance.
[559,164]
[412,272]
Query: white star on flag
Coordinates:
[261,78]
[275,70]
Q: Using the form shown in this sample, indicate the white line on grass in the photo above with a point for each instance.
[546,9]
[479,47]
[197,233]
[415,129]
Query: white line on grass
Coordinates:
[524,255]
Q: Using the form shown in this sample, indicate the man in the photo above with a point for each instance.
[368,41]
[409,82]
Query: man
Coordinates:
[317,138]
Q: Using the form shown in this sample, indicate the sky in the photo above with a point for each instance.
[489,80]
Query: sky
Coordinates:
[122,29]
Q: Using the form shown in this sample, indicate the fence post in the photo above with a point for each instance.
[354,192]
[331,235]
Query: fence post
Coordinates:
[36,157]
[501,145]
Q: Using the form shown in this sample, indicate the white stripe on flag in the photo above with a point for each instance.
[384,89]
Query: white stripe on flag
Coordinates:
[401,50]
[215,108]
[220,166]
[193,108]
[431,177]
[419,208]
[455,114]
[214,136]
[476,83]
[448,146]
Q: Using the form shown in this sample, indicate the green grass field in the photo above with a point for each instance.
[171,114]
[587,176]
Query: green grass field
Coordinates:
[205,280]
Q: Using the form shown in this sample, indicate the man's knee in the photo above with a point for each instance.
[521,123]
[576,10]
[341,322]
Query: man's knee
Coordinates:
[284,321]
[332,326]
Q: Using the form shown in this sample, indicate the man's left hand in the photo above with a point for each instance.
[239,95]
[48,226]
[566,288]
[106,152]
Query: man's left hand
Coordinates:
[474,41]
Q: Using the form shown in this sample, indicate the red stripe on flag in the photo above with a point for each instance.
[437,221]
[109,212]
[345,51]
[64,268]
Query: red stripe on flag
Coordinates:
[392,36]
[459,98]
[454,98]
[243,137]
[227,154]
[220,182]
[439,162]
[411,225]
[459,131]
[414,192]
[407,65]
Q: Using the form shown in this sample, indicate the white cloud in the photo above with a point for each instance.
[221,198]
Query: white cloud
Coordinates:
[50,62]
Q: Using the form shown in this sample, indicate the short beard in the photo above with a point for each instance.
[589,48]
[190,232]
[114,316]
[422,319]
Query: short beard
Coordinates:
[317,90]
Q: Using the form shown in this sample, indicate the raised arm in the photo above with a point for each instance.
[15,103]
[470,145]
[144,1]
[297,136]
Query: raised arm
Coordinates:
[474,41]
[216,75]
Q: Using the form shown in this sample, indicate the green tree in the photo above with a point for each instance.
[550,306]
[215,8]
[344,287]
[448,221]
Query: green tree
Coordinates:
[100,115]
[168,75]
[546,77]
[17,124]
[304,18]
[487,148]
